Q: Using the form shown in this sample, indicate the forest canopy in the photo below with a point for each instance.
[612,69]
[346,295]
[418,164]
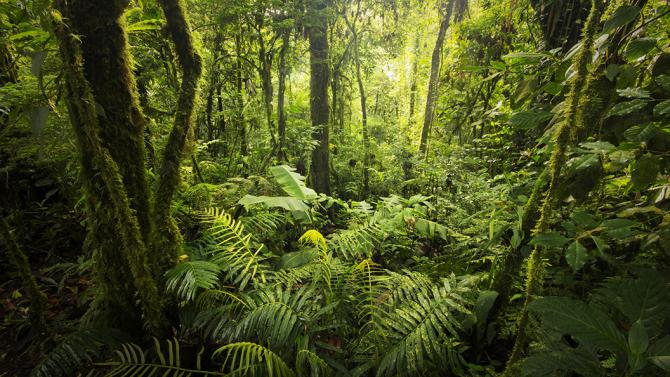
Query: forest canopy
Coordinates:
[335,188]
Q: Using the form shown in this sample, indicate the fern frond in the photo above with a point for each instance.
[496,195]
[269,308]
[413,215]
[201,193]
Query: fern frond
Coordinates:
[356,243]
[422,331]
[185,278]
[262,223]
[251,359]
[233,252]
[77,349]
[314,238]
[132,361]
[276,316]
[310,364]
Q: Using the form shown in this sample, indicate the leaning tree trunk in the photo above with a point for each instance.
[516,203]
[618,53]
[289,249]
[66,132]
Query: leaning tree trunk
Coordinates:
[318,56]
[434,77]
[167,240]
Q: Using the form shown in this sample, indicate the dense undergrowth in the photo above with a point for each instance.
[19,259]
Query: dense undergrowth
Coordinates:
[531,236]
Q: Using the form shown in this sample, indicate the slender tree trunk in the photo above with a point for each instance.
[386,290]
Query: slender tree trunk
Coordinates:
[168,238]
[265,72]
[415,69]
[240,94]
[281,151]
[434,80]
[364,111]
[318,49]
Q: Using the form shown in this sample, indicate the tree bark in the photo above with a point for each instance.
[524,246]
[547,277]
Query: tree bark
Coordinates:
[281,151]
[433,82]
[114,230]
[168,238]
[414,72]
[318,54]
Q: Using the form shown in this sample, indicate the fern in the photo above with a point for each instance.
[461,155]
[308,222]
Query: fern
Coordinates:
[275,316]
[250,359]
[76,350]
[232,251]
[132,361]
[356,243]
[186,277]
[422,331]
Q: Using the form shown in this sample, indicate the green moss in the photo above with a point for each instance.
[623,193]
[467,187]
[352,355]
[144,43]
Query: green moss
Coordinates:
[565,132]
[167,239]
[114,228]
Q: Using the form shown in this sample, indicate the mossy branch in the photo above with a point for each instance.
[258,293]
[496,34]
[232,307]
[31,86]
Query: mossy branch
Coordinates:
[562,137]
[168,239]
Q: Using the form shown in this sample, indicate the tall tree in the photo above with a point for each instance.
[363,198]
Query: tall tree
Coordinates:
[317,31]
[446,11]
[361,90]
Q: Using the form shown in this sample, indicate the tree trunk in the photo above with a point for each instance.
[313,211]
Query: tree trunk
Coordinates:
[168,238]
[240,94]
[415,69]
[318,54]
[114,230]
[364,111]
[434,77]
[281,151]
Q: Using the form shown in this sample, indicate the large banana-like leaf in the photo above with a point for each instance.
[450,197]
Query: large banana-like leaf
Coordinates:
[292,183]
[584,322]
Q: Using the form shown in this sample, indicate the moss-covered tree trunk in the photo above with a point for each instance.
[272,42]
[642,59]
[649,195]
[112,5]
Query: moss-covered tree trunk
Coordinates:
[107,67]
[319,77]
[167,237]
[114,229]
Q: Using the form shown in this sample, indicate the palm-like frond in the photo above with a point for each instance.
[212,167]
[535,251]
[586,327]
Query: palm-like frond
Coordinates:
[422,332]
[186,277]
[78,348]
[275,316]
[232,251]
[358,242]
[132,361]
[251,359]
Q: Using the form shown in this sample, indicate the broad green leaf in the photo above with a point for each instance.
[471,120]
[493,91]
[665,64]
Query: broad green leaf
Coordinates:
[624,108]
[523,92]
[297,258]
[638,339]
[639,48]
[551,239]
[525,58]
[612,71]
[576,256]
[664,82]
[484,304]
[629,212]
[623,15]
[633,93]
[619,228]
[598,146]
[587,324]
[662,109]
[645,171]
[659,353]
[285,202]
[526,120]
[292,183]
